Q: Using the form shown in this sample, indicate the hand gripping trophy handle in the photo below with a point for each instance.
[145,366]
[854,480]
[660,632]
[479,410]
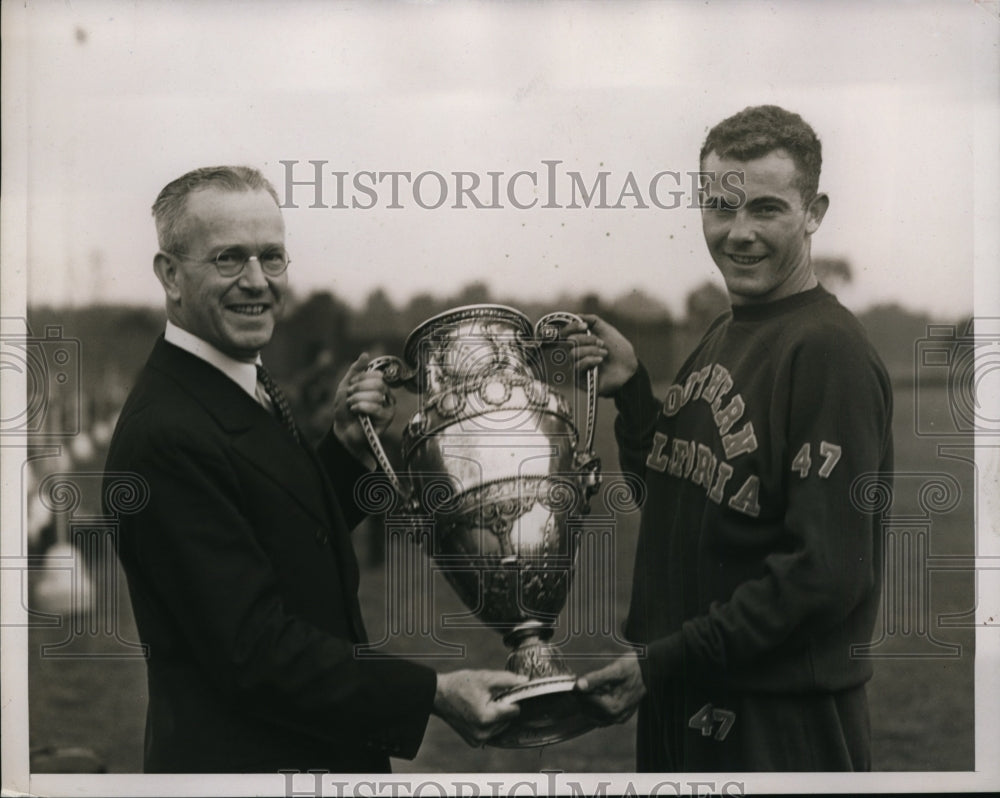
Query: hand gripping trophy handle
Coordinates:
[547,329]
[395,373]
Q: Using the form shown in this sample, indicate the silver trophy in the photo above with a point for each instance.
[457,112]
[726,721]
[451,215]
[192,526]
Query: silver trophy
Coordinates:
[493,454]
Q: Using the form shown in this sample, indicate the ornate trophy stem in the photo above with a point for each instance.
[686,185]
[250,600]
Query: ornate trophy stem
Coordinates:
[493,454]
[533,657]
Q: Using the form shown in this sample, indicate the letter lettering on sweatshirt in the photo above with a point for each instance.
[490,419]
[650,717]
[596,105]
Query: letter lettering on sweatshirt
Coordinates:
[657,459]
[718,386]
[704,468]
[740,442]
[745,500]
[831,452]
[693,384]
[724,419]
[697,380]
[678,458]
[672,402]
[722,477]
[803,461]
[689,463]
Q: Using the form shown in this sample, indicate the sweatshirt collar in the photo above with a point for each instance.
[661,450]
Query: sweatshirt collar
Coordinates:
[771,309]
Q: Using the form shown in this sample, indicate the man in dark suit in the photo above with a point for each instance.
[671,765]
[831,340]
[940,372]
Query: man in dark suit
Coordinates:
[240,568]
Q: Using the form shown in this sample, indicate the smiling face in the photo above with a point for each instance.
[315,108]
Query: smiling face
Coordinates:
[235,314]
[762,244]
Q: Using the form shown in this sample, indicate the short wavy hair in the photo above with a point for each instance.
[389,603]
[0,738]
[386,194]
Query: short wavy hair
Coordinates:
[758,130]
[169,208]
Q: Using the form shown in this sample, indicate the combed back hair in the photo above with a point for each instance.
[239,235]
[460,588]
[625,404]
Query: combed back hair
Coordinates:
[169,208]
[758,130]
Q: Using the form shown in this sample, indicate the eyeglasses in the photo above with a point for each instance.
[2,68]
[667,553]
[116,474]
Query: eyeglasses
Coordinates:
[231,262]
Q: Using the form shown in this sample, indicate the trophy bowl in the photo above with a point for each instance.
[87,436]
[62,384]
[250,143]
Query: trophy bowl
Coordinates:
[493,455]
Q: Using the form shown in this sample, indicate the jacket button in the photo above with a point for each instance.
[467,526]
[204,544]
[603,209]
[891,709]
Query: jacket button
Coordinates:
[321,537]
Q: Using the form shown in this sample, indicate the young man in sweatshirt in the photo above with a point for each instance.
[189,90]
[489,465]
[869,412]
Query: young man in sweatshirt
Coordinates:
[756,572]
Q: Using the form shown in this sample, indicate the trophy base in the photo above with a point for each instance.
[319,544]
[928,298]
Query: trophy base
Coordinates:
[550,713]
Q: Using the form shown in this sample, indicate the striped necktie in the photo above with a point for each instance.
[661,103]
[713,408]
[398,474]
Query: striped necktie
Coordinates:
[278,401]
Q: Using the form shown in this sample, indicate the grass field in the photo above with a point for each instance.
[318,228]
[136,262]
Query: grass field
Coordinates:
[922,706]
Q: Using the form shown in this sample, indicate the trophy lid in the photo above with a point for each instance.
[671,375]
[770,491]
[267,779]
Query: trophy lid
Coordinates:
[465,313]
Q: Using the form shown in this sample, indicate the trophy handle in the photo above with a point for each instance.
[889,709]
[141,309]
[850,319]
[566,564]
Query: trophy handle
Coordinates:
[395,373]
[547,329]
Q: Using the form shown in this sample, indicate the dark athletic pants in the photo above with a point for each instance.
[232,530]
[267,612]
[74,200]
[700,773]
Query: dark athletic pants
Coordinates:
[769,732]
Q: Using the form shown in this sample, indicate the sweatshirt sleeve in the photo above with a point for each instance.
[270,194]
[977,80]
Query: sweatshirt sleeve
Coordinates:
[637,413]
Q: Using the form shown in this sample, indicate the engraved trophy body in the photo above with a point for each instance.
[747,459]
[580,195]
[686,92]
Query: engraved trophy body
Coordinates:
[493,454]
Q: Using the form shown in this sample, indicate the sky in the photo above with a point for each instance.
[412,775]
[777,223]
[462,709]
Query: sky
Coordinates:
[113,100]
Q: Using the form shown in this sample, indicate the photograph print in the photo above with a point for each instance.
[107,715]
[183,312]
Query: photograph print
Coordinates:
[499,398]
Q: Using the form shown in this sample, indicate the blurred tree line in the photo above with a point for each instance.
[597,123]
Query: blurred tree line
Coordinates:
[321,334]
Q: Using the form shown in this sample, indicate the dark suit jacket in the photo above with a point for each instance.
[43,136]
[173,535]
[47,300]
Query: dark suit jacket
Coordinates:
[244,585]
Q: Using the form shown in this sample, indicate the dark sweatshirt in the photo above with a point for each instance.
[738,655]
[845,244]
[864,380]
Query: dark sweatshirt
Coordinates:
[757,567]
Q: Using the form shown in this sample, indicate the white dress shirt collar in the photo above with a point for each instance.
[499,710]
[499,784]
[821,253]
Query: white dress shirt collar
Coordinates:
[242,373]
